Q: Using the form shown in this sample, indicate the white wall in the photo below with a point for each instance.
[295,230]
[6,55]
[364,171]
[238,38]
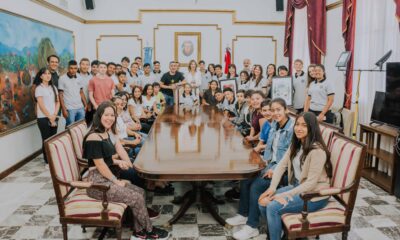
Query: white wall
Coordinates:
[18,145]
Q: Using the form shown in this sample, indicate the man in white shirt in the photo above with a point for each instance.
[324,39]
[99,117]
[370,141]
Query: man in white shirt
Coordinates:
[219,75]
[147,77]
[84,76]
[111,72]
[138,60]
[157,71]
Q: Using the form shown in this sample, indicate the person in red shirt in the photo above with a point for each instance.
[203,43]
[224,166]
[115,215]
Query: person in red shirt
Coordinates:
[101,87]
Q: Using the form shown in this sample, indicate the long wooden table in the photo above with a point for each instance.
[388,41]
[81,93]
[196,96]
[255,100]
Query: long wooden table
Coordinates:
[197,145]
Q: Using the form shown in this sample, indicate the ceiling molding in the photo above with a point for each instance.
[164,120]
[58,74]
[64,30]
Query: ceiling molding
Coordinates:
[334,5]
[142,11]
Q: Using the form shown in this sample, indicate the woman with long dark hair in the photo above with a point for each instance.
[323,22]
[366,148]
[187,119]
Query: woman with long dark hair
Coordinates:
[271,72]
[48,105]
[100,147]
[308,169]
[257,81]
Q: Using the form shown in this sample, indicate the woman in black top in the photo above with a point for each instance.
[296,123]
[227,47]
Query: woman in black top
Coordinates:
[106,157]
[209,95]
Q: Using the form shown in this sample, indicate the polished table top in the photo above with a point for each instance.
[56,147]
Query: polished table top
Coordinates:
[195,144]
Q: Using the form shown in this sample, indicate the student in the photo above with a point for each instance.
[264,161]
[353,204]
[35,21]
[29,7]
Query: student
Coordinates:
[256,98]
[229,102]
[101,87]
[232,73]
[310,74]
[157,71]
[135,106]
[85,76]
[139,62]
[248,113]
[220,99]
[205,77]
[211,69]
[160,99]
[299,86]
[283,71]
[308,168]
[239,108]
[100,148]
[121,85]
[271,73]
[244,79]
[188,98]
[134,126]
[321,95]
[111,72]
[149,101]
[265,123]
[279,139]
[193,77]
[94,67]
[47,107]
[257,81]
[170,81]
[133,76]
[118,68]
[219,75]
[247,66]
[147,77]
[125,64]
[209,95]
[52,65]
[72,98]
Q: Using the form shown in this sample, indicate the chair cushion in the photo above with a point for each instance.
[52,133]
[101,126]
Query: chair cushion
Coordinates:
[80,205]
[331,215]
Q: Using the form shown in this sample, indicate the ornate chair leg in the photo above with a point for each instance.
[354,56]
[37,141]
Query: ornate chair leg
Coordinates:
[119,233]
[65,231]
[345,235]
[83,229]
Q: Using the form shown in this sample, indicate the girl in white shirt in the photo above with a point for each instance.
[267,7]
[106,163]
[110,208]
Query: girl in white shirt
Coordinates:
[257,81]
[193,77]
[188,98]
[149,101]
[135,107]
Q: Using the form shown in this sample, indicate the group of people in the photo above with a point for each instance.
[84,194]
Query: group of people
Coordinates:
[120,102]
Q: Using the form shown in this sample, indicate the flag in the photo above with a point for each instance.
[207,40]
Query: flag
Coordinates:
[227,60]
[148,54]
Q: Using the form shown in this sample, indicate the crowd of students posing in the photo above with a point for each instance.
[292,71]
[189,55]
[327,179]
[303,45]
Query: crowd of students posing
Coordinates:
[122,104]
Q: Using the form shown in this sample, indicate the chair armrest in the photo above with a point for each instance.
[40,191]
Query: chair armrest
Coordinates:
[83,163]
[327,192]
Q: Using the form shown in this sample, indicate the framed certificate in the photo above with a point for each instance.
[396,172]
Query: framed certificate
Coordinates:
[282,87]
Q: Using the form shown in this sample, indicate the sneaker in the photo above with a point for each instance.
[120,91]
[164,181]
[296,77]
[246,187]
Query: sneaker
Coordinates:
[156,233]
[153,214]
[232,194]
[246,232]
[236,220]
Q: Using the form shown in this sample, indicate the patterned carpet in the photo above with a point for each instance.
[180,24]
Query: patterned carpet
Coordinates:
[28,210]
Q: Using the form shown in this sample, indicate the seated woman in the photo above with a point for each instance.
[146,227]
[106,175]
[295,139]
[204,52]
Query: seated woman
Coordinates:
[256,98]
[209,95]
[279,139]
[239,108]
[100,148]
[135,106]
[188,98]
[149,102]
[308,168]
[134,126]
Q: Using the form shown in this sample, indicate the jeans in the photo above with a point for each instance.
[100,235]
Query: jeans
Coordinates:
[46,131]
[74,115]
[274,210]
[250,191]
[169,100]
[133,151]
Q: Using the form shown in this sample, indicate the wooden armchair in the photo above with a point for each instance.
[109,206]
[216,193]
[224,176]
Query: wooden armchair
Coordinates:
[346,157]
[327,131]
[74,205]
[78,131]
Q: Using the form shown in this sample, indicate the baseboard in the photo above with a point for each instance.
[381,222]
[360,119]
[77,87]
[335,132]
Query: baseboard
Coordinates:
[16,166]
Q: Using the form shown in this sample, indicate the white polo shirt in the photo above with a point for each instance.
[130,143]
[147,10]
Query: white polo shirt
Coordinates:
[319,92]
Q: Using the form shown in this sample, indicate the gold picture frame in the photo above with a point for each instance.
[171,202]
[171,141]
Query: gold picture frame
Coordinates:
[187,47]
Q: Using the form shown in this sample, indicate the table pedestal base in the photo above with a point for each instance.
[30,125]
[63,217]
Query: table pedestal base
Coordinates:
[207,199]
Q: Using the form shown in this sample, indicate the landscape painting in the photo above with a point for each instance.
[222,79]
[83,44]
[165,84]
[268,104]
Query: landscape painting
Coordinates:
[25,45]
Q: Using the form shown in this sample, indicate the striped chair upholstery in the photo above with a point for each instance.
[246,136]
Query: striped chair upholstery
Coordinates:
[346,156]
[327,132]
[78,132]
[81,206]
[63,161]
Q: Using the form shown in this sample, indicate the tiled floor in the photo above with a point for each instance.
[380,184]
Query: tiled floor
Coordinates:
[28,210]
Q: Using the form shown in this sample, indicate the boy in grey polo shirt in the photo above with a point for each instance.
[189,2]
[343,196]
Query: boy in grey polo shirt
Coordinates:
[299,85]
[72,98]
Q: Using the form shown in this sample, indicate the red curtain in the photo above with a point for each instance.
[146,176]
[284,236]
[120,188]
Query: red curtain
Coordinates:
[316,12]
[348,31]
[398,11]
[228,60]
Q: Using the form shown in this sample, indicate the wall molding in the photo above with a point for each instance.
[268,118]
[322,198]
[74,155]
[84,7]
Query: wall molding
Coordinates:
[98,40]
[237,37]
[233,13]
[19,164]
[187,25]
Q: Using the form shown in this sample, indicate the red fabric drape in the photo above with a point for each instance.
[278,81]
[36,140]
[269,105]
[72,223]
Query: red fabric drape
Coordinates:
[398,11]
[348,31]
[228,60]
[316,12]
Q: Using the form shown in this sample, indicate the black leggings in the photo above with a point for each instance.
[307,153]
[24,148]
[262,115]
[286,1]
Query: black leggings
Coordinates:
[330,117]
[46,131]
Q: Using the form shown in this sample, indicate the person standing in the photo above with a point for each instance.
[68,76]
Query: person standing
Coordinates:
[193,77]
[48,106]
[101,87]
[219,75]
[157,71]
[247,66]
[85,76]
[72,97]
[125,64]
[111,72]
[170,81]
[133,76]
[53,62]
[94,67]
[139,62]
[299,85]
[205,77]
[147,77]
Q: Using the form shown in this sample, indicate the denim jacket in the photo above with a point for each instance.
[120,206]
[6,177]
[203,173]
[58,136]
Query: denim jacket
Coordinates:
[283,144]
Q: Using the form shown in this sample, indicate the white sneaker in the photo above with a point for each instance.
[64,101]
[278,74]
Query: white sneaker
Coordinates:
[247,232]
[236,220]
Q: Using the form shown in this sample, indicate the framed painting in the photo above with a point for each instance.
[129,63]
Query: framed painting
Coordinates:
[228,83]
[282,87]
[25,45]
[187,47]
